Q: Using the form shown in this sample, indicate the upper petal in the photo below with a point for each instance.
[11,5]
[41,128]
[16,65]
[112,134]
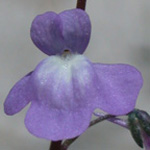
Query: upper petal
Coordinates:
[46,33]
[19,96]
[65,92]
[53,33]
[76,29]
[119,87]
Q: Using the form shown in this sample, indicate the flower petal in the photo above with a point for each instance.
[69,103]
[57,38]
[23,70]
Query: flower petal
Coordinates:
[69,30]
[76,29]
[54,124]
[65,90]
[18,97]
[119,87]
[46,33]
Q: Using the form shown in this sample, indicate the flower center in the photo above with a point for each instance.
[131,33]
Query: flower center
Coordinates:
[66,54]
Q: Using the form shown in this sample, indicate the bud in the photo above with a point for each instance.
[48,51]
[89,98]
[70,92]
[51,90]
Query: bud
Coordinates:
[135,128]
[144,120]
[139,126]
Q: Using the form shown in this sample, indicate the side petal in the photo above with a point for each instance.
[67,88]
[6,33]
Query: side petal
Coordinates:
[65,91]
[119,87]
[46,33]
[76,29]
[18,97]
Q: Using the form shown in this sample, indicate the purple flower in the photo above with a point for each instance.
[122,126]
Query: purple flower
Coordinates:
[65,88]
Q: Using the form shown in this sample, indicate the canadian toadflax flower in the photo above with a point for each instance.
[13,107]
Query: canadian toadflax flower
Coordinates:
[65,88]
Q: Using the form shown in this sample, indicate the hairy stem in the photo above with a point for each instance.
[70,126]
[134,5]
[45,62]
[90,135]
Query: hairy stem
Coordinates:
[100,119]
[118,121]
[55,145]
[81,4]
[67,143]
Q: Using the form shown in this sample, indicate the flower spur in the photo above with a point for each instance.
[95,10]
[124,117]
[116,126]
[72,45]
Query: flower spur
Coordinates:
[65,88]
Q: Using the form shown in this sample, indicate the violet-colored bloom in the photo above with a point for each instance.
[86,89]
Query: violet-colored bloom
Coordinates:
[65,88]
